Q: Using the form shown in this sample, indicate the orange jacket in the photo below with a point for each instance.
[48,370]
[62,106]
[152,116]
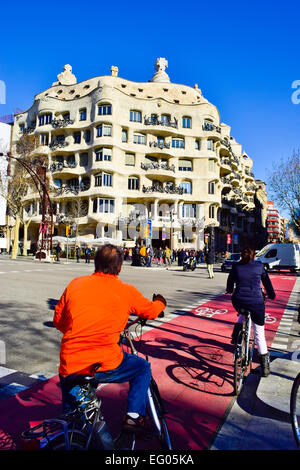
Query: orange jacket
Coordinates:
[91,314]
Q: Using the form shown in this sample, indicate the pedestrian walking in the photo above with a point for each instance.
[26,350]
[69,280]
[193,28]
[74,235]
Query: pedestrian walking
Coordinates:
[150,256]
[58,251]
[78,253]
[210,259]
[87,254]
[168,256]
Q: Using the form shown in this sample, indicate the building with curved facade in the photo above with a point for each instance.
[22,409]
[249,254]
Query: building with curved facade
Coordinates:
[149,161]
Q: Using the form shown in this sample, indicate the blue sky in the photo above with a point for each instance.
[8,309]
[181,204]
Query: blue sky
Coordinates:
[243,55]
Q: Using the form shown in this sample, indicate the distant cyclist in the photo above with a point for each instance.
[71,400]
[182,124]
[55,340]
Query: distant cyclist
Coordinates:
[91,313]
[246,276]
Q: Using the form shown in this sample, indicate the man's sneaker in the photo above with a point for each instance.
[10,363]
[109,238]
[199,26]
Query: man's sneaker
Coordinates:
[135,425]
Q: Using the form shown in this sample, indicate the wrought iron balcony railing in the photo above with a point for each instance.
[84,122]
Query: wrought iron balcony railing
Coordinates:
[157,166]
[57,143]
[154,121]
[74,189]
[226,161]
[59,123]
[29,129]
[163,189]
[160,145]
[226,180]
[59,166]
[208,126]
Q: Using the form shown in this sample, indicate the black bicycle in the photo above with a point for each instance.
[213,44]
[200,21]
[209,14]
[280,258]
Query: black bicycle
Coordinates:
[244,350]
[84,428]
[155,405]
[295,408]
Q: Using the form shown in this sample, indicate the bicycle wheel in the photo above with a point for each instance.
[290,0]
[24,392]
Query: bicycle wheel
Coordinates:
[77,440]
[251,353]
[239,363]
[295,409]
[156,411]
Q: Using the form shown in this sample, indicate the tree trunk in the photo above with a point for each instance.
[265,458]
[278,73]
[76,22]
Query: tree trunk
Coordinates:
[25,238]
[16,239]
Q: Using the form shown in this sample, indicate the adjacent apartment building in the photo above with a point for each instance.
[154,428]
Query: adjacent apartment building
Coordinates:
[149,162]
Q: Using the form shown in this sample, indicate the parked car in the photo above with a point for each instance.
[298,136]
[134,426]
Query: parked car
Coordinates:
[227,265]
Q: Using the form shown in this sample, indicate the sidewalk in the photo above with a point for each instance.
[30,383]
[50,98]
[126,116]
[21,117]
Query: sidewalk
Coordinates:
[260,417]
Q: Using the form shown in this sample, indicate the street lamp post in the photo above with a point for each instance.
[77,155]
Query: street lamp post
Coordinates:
[232,233]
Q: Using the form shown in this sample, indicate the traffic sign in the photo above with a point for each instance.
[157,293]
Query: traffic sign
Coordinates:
[149,228]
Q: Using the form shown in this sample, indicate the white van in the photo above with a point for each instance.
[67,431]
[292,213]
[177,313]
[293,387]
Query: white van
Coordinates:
[280,256]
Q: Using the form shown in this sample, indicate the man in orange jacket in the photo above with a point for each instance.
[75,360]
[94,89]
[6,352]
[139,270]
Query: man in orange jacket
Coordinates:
[91,313]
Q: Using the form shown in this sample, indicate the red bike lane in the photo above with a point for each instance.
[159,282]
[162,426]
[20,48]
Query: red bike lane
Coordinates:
[192,362]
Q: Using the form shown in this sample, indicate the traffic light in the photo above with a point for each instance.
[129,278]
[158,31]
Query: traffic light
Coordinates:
[68,230]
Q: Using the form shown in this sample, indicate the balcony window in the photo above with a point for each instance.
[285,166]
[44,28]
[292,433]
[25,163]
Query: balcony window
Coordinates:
[189,210]
[44,139]
[187,187]
[71,161]
[185,165]
[211,165]
[103,179]
[73,183]
[106,206]
[135,116]
[104,109]
[87,135]
[45,119]
[104,130]
[139,139]
[133,182]
[77,137]
[186,122]
[211,187]
[57,183]
[210,144]
[103,155]
[166,119]
[212,212]
[129,159]
[84,159]
[178,143]
[82,114]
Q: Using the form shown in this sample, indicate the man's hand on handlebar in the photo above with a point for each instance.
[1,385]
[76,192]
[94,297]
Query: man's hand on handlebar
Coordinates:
[159,297]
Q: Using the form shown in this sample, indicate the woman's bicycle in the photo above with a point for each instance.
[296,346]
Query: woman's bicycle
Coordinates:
[243,351]
[84,428]
[295,408]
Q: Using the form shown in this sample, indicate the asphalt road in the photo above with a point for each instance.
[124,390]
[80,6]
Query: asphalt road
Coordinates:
[30,290]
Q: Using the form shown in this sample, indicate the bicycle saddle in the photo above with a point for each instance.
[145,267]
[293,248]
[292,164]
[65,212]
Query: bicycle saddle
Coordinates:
[244,311]
[77,379]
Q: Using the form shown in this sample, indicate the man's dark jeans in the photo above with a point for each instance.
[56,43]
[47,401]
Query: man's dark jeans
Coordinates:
[133,369]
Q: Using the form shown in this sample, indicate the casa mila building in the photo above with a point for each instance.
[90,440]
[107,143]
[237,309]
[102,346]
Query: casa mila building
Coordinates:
[146,162]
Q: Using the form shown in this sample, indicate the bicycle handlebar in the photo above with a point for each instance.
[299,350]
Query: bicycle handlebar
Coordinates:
[142,321]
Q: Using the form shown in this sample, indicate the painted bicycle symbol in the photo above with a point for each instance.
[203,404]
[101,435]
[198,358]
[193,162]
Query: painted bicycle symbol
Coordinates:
[269,319]
[210,312]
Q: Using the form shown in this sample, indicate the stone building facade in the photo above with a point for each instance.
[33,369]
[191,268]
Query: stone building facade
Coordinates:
[134,161]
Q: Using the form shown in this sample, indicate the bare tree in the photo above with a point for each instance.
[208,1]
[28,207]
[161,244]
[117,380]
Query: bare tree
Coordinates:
[75,210]
[19,183]
[284,182]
